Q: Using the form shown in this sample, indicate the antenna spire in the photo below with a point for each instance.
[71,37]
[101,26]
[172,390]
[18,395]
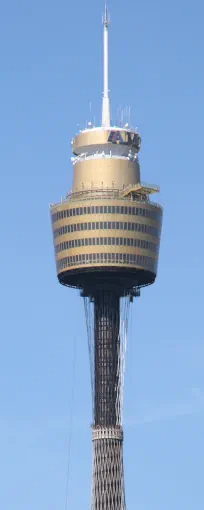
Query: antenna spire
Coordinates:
[106,101]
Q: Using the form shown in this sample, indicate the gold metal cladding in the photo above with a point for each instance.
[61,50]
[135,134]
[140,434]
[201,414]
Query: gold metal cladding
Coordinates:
[98,202]
[97,137]
[69,266]
[60,222]
[150,266]
[106,249]
[107,433]
[107,172]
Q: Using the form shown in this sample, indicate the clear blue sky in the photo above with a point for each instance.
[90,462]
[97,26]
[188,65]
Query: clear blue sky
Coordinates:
[50,61]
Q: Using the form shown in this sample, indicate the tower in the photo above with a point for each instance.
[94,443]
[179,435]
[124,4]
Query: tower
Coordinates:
[106,238]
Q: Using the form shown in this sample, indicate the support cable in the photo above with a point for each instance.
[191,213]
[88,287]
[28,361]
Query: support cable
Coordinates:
[70,425]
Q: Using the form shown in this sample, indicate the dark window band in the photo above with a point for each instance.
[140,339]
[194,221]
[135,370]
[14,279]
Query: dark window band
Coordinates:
[106,209]
[107,225]
[107,241]
[116,258]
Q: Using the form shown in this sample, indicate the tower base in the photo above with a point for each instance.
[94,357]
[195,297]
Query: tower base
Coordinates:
[107,469]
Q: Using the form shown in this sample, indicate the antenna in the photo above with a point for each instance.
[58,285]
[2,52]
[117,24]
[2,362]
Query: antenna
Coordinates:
[106,101]
[129,119]
[90,121]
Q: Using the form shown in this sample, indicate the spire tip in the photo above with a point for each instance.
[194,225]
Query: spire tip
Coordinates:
[106,17]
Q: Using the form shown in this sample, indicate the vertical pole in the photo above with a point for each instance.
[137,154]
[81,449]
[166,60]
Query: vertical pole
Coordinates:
[106,102]
[105,61]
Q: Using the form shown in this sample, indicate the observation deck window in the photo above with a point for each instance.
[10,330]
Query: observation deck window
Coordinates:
[138,211]
[130,226]
[122,241]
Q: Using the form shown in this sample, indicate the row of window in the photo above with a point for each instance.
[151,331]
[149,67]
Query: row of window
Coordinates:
[109,258]
[104,225]
[105,209]
[106,241]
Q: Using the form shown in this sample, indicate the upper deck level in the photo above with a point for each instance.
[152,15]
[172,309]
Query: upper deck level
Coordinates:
[120,141]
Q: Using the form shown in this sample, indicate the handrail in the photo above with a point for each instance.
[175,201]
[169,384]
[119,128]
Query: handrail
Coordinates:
[87,196]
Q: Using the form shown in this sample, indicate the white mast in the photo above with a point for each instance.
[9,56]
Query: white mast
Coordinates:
[106,101]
